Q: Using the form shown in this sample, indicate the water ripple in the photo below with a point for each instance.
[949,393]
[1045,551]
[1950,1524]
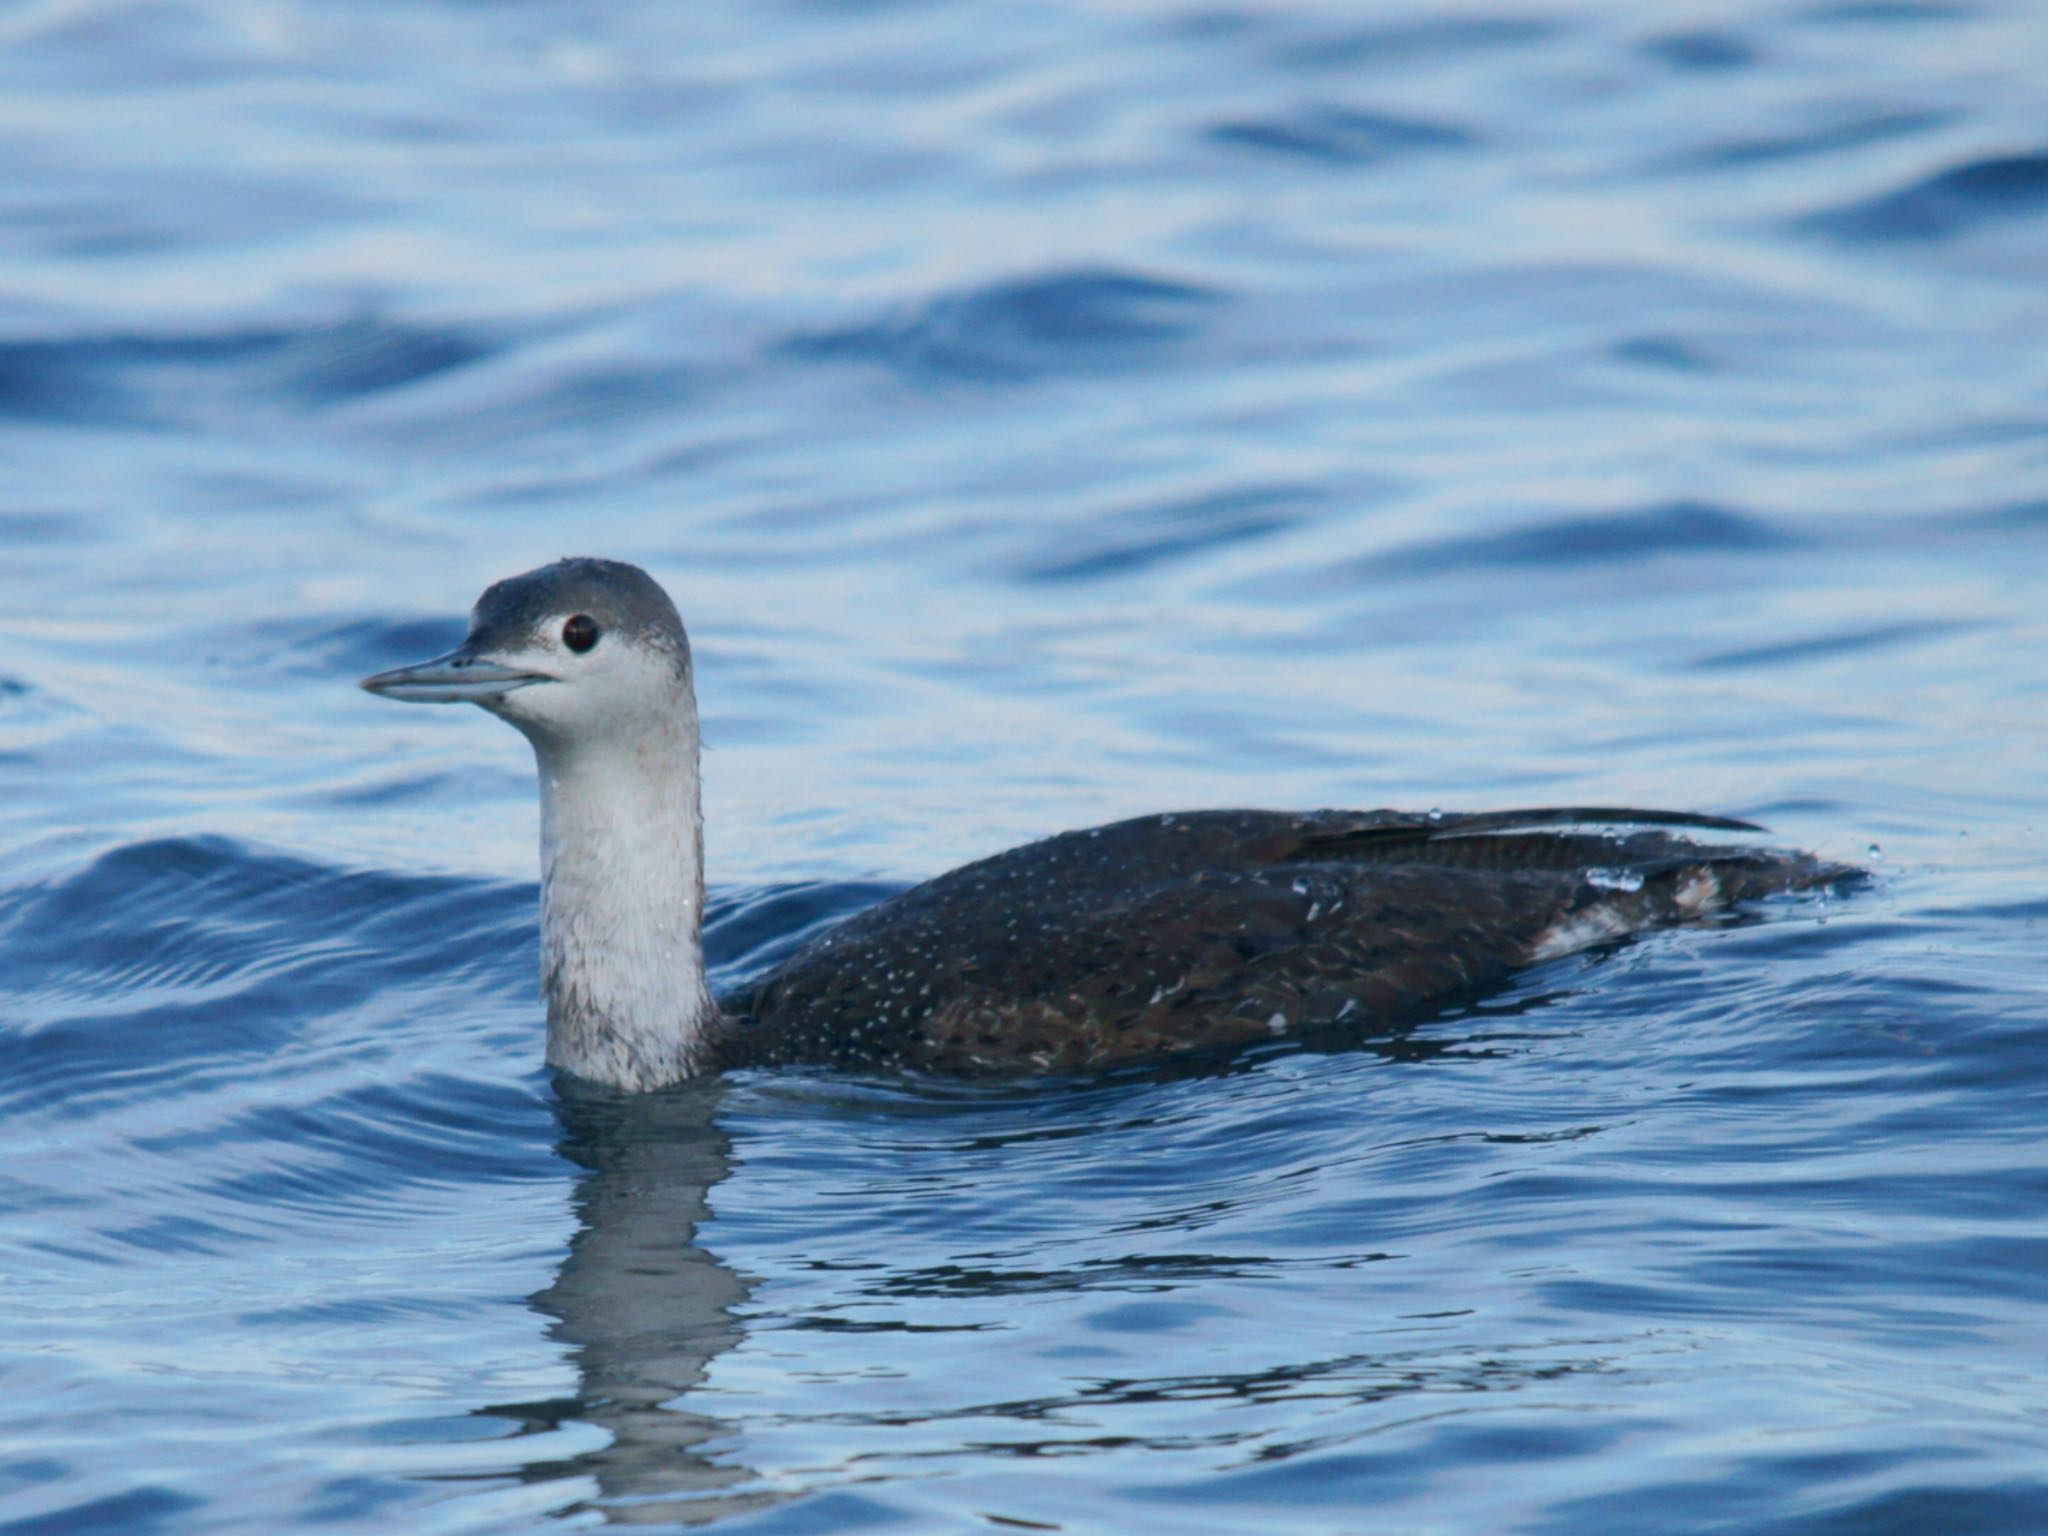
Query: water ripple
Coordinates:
[1155,535]
[1415,42]
[1085,320]
[166,958]
[111,379]
[1683,527]
[1701,51]
[1340,136]
[1946,204]
[1854,131]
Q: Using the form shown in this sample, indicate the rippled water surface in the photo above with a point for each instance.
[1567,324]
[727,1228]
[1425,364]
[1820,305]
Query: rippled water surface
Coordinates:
[1041,414]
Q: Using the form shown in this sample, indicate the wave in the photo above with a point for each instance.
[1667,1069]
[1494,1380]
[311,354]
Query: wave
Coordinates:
[1340,136]
[1157,535]
[1671,528]
[1855,132]
[1834,645]
[1413,42]
[1701,51]
[1947,204]
[1084,320]
[133,379]
[172,955]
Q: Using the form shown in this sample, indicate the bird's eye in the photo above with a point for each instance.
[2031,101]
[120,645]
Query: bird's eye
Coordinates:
[580,633]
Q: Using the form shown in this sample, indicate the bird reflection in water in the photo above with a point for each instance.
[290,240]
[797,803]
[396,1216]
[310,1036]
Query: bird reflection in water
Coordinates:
[642,1309]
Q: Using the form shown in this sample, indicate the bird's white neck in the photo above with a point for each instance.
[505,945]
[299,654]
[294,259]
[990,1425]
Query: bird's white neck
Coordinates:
[622,906]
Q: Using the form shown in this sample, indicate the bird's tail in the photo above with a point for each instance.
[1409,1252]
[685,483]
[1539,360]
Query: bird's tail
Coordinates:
[1689,884]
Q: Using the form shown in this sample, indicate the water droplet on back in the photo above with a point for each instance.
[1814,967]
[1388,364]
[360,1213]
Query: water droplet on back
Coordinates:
[1615,879]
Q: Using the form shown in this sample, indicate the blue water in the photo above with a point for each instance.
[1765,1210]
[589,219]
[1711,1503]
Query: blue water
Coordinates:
[1041,414]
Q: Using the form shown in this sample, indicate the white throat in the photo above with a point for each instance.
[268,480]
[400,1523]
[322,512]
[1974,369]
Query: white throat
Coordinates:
[622,906]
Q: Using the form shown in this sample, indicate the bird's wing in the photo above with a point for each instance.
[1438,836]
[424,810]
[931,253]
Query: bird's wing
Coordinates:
[1212,929]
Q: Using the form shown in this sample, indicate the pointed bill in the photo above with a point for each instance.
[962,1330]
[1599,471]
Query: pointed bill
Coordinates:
[460,677]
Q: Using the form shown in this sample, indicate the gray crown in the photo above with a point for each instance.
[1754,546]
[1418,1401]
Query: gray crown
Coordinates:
[623,599]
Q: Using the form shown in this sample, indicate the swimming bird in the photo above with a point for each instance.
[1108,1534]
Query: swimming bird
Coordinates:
[1188,931]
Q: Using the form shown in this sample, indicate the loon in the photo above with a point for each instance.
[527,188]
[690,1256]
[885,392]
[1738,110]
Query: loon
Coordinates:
[1115,945]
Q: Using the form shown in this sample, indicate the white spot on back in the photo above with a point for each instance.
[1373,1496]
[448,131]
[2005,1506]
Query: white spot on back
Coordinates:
[1699,894]
[1582,930]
